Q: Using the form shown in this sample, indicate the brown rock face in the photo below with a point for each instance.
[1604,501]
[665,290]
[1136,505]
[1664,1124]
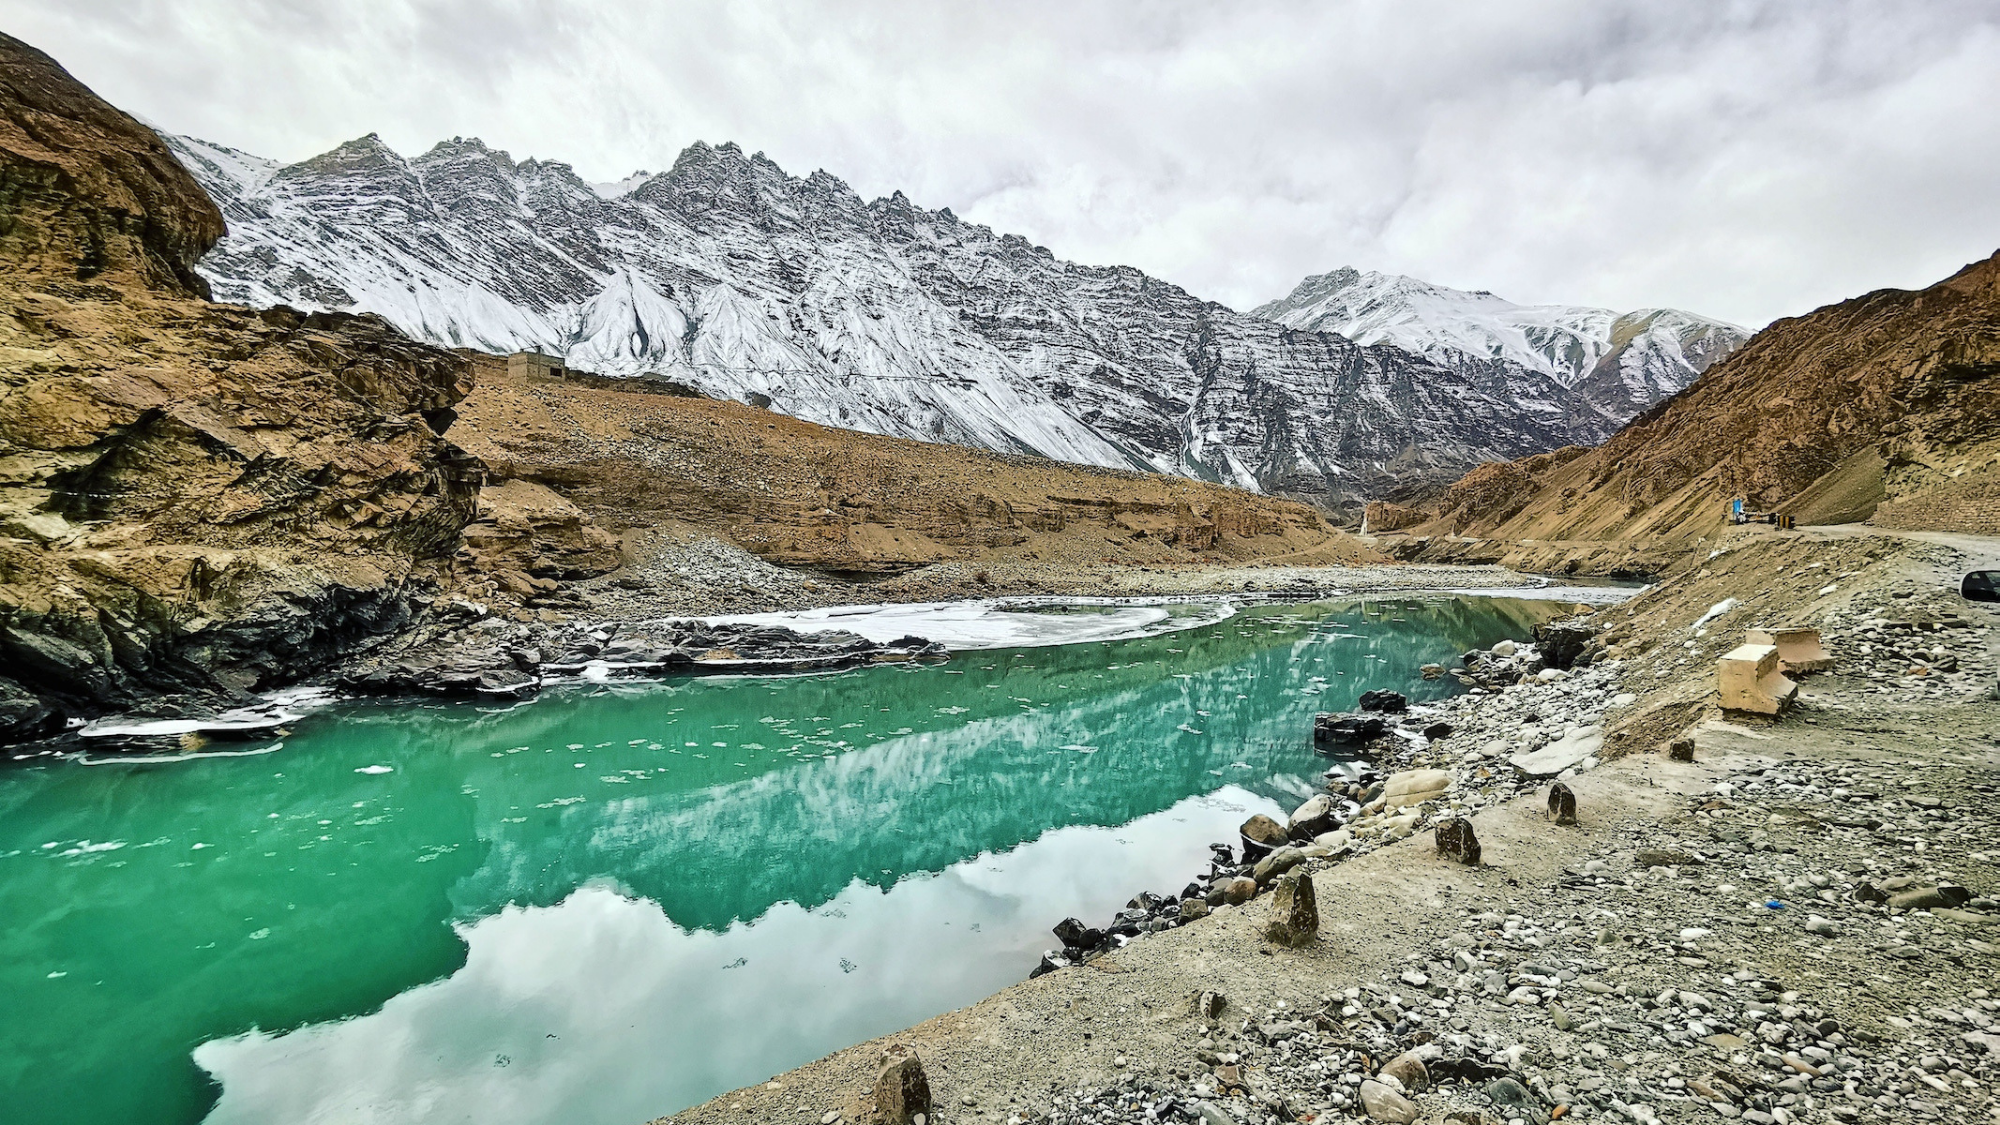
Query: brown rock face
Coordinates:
[85,191]
[1380,517]
[198,499]
[1886,403]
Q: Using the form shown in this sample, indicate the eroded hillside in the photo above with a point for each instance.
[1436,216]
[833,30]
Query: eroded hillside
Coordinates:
[1884,408]
[803,495]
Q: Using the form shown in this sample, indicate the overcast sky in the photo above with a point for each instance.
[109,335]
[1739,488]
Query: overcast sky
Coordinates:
[1746,160]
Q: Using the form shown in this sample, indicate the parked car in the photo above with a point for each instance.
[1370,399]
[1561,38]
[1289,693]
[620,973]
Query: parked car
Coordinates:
[1982,586]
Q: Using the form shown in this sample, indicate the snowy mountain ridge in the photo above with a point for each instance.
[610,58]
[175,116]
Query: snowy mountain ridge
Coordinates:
[727,273]
[1621,362]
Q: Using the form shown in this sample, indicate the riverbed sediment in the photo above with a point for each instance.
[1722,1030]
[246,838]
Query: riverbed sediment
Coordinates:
[1715,937]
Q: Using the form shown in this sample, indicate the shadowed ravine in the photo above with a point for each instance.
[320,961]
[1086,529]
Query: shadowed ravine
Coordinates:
[631,897]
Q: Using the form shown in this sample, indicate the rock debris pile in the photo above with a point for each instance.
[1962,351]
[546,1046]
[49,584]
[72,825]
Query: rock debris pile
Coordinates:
[477,654]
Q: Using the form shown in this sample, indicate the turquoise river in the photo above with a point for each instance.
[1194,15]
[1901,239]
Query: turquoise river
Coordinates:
[621,899]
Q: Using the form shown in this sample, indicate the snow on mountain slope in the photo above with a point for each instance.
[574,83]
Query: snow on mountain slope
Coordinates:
[1618,363]
[729,274]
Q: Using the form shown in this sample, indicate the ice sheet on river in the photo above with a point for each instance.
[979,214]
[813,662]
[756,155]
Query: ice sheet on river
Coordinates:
[1004,622]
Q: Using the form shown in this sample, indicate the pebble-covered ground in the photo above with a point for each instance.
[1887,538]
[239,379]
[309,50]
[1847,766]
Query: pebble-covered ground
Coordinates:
[693,574]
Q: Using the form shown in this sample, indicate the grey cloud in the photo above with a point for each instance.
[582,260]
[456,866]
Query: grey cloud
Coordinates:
[1746,159]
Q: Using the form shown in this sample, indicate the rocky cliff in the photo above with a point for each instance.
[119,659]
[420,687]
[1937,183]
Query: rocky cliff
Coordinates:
[196,499]
[727,273]
[1886,406]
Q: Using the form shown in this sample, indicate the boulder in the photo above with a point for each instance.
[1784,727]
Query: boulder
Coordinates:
[1409,1070]
[1748,679]
[1799,648]
[1276,864]
[1210,1005]
[1336,841]
[1316,816]
[1509,1092]
[1239,890]
[1383,1103]
[1075,935]
[1294,920]
[1261,834]
[1562,643]
[1414,787]
[1193,909]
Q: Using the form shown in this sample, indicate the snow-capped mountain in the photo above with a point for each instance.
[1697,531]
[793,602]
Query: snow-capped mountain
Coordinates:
[1620,363]
[727,273]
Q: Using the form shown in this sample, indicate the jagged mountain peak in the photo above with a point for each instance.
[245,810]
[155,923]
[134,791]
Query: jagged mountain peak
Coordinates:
[366,155]
[730,274]
[1620,362]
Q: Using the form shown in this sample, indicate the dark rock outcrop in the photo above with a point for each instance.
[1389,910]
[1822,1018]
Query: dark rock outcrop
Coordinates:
[1561,644]
[1336,730]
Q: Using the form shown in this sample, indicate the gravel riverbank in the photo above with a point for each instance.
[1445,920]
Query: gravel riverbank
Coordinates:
[1795,925]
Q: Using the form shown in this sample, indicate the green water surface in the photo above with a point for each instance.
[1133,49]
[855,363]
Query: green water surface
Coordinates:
[621,899]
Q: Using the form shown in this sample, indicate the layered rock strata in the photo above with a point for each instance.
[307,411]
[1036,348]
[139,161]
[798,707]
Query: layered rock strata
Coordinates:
[195,499]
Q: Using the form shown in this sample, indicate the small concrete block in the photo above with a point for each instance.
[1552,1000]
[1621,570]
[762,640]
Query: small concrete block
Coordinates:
[1799,648]
[1749,680]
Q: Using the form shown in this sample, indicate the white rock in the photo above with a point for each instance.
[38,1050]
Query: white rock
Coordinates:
[1570,750]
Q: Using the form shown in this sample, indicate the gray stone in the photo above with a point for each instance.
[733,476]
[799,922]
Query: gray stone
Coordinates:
[1408,1069]
[1313,818]
[1276,864]
[1385,1104]
[1508,1091]
[1212,1114]
[1564,753]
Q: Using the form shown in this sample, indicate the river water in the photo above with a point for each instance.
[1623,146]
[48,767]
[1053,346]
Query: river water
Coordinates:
[621,899]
